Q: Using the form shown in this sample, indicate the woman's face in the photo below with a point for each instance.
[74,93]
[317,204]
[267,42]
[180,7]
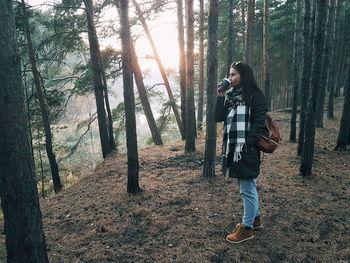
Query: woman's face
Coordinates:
[234,77]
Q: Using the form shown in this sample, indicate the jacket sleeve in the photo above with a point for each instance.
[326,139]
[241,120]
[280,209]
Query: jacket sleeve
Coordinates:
[257,119]
[219,109]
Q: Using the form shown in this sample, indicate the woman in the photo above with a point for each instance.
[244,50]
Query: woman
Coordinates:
[243,109]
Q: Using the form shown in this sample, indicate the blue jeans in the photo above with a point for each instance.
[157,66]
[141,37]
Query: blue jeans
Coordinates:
[249,195]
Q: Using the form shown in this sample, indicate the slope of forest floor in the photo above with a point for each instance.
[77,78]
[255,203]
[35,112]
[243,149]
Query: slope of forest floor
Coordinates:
[182,217]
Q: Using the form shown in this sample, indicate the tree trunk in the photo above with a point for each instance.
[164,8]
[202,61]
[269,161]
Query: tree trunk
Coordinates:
[310,122]
[108,108]
[266,55]
[25,240]
[201,67]
[248,55]
[332,70]
[212,62]
[40,161]
[129,102]
[43,106]
[243,5]
[305,80]
[161,68]
[340,59]
[27,100]
[182,63]
[344,129]
[190,145]
[144,99]
[325,65]
[230,48]
[296,73]
[97,80]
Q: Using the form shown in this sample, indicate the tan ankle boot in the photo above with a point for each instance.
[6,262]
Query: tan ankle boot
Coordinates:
[257,225]
[242,234]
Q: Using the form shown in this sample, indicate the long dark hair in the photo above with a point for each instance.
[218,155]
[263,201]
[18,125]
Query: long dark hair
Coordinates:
[248,82]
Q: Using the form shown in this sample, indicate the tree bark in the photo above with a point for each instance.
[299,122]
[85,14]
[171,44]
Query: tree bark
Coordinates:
[25,240]
[340,59]
[344,129]
[190,145]
[43,105]
[332,70]
[266,55]
[296,73]
[212,62]
[230,48]
[325,65]
[305,80]
[310,122]
[161,68]
[129,102]
[157,139]
[97,80]
[243,5]
[182,63]
[201,67]
[108,108]
[248,55]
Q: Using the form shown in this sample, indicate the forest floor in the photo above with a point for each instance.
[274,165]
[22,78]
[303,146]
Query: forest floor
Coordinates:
[182,217]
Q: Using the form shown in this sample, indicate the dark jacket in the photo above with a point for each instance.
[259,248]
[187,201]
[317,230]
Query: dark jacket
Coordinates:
[249,165]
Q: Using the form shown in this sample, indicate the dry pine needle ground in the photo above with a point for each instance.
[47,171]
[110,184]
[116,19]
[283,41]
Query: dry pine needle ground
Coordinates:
[183,217]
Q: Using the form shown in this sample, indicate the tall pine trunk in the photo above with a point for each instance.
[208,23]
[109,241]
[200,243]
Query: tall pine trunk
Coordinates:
[190,145]
[340,59]
[97,80]
[296,73]
[144,99]
[43,105]
[108,108]
[201,67]
[243,10]
[248,54]
[212,67]
[182,62]
[129,102]
[161,68]
[325,65]
[305,80]
[230,32]
[310,122]
[344,129]
[25,240]
[332,70]
[266,55]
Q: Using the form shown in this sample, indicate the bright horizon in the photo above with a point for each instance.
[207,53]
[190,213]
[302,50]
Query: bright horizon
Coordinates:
[163,30]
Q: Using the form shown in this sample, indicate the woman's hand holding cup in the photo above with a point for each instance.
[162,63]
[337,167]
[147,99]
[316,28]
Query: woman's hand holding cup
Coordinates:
[223,87]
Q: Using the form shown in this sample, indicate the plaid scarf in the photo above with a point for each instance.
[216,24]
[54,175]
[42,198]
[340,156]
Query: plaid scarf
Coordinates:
[237,124]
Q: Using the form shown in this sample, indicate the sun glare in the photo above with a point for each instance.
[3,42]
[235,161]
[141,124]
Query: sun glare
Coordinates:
[163,30]
[165,39]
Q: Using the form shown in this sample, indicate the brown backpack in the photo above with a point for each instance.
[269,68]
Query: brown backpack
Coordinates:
[270,137]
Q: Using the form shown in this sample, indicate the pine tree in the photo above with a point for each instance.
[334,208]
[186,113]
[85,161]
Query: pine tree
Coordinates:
[305,82]
[182,63]
[212,62]
[43,104]
[296,72]
[344,129]
[190,110]
[25,240]
[130,121]
[310,122]
[99,88]
[201,67]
